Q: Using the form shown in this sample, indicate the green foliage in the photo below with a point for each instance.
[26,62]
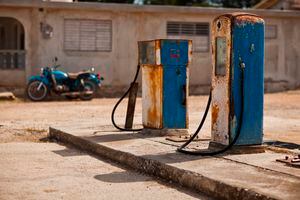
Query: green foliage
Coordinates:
[239,3]
[203,3]
[108,1]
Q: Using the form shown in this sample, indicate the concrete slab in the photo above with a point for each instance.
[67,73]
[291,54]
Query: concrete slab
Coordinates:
[7,96]
[250,176]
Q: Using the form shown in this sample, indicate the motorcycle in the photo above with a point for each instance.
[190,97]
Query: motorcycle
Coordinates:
[81,85]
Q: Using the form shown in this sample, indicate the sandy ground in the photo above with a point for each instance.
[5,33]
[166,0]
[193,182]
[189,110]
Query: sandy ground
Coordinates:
[33,169]
[51,171]
[30,121]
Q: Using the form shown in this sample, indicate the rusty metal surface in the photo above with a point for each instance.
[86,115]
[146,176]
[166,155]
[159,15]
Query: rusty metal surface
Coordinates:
[187,97]
[162,105]
[221,84]
[190,55]
[147,54]
[157,52]
[131,105]
[188,81]
[239,20]
[152,96]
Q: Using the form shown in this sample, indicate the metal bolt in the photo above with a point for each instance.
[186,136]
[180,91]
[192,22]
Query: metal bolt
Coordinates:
[242,65]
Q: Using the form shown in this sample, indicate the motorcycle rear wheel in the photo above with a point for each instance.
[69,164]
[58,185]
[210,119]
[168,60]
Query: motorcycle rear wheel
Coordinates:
[36,91]
[88,86]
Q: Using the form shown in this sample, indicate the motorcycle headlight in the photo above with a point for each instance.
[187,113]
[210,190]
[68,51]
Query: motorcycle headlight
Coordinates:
[92,69]
[42,70]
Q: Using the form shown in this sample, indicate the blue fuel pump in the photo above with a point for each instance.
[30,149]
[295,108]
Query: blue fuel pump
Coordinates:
[237,83]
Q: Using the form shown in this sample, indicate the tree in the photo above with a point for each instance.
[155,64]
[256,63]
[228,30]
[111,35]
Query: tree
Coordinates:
[108,1]
[239,3]
[214,3]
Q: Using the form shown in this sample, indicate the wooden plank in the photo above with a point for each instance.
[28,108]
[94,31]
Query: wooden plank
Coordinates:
[131,105]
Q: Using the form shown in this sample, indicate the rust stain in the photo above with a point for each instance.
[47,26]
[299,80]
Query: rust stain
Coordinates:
[246,18]
[190,53]
[154,112]
[157,52]
[157,45]
[214,114]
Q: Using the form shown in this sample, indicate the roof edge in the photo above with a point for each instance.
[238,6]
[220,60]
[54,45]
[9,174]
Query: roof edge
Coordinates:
[142,8]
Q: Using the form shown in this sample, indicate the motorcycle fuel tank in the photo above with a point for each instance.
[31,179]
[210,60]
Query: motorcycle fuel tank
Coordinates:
[59,75]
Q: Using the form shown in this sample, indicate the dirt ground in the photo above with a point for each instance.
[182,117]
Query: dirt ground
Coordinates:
[29,121]
[32,168]
[50,171]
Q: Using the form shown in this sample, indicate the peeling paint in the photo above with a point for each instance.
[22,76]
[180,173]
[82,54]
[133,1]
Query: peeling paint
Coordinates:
[221,84]
[243,19]
[152,96]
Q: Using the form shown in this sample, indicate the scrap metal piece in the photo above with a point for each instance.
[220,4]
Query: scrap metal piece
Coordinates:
[291,161]
[131,105]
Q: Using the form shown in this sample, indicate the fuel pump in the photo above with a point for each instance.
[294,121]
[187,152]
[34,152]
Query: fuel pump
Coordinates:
[164,65]
[237,83]
[237,90]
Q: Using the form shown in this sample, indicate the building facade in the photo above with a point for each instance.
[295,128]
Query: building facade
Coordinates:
[104,36]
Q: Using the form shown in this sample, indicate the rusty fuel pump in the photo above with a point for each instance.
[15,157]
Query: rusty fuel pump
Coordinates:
[237,83]
[164,64]
[237,90]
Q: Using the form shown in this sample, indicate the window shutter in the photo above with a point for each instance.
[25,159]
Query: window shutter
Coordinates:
[72,35]
[197,31]
[104,36]
[88,35]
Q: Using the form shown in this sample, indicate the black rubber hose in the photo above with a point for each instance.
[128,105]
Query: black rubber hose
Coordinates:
[201,152]
[121,99]
[200,125]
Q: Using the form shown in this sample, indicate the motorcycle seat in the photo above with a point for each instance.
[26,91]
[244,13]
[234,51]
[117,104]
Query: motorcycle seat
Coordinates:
[75,75]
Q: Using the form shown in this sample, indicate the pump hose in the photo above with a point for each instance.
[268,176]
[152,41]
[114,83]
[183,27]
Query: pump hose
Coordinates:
[205,153]
[121,99]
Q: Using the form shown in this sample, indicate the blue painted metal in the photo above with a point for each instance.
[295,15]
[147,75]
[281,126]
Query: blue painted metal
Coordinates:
[60,76]
[174,112]
[174,52]
[174,58]
[248,48]
[39,78]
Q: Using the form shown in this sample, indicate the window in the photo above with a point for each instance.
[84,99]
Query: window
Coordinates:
[12,43]
[196,31]
[87,35]
[271,32]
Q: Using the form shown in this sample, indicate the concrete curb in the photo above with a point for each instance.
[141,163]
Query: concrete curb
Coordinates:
[185,178]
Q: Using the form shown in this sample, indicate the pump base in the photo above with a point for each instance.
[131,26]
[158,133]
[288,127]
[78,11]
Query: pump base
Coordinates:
[165,132]
[238,149]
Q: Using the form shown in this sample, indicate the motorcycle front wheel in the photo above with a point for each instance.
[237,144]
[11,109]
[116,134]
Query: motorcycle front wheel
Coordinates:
[36,91]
